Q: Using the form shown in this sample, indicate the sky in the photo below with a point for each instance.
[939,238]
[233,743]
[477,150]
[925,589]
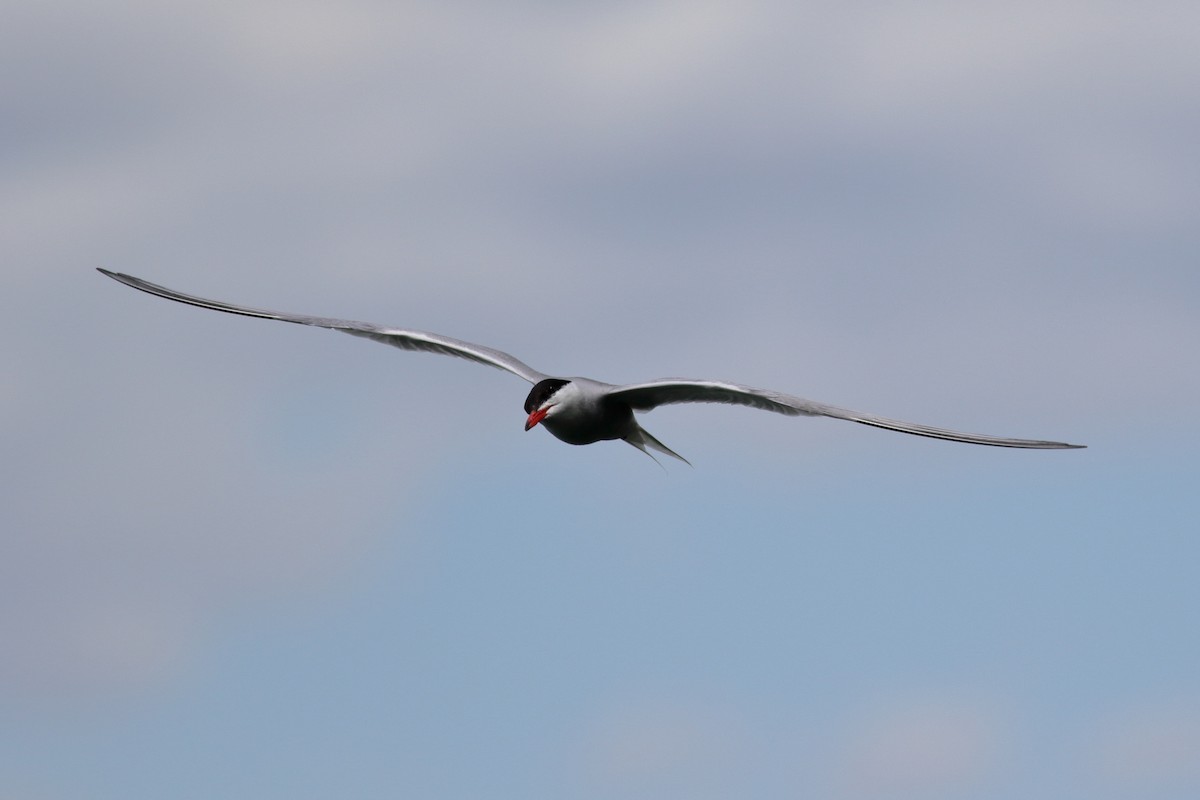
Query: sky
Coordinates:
[242,559]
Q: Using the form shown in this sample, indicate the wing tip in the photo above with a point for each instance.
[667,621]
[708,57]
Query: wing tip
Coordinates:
[119,277]
[1041,444]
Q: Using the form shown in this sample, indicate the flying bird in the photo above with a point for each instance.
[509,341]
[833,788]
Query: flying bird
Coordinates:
[582,410]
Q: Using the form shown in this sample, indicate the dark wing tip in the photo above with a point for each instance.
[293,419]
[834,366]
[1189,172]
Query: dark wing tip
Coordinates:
[120,277]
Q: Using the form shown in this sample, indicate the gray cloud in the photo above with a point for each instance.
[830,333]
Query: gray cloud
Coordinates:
[935,747]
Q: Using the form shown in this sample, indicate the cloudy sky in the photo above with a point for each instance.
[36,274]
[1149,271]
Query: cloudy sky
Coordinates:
[242,559]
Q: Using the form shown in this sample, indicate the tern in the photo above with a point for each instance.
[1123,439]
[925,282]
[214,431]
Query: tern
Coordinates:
[582,410]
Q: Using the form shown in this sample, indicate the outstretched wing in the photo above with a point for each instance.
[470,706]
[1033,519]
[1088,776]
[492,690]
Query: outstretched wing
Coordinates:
[646,396]
[397,337]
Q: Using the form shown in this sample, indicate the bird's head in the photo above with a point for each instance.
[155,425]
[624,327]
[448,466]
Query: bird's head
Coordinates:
[541,400]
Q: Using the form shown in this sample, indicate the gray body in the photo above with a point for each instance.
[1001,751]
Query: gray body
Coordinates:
[588,415]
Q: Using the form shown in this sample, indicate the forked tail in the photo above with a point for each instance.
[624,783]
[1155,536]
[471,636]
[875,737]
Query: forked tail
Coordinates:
[641,439]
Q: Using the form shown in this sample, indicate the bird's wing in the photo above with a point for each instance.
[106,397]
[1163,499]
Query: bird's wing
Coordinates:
[397,337]
[646,396]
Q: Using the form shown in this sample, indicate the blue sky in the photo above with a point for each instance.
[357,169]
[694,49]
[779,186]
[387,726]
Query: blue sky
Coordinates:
[251,560]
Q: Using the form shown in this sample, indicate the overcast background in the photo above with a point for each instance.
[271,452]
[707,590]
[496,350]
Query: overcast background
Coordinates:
[243,559]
